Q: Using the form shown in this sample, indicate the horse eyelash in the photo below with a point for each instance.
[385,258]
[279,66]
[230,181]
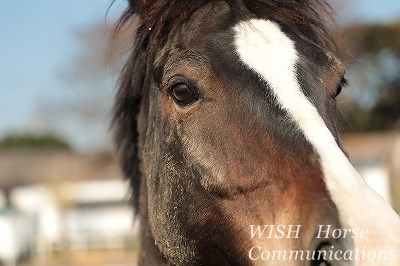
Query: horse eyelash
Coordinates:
[344,82]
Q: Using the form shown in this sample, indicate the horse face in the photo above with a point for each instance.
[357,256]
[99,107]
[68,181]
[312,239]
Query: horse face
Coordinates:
[242,115]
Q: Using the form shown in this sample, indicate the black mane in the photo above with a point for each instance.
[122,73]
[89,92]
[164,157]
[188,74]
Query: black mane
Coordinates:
[307,18]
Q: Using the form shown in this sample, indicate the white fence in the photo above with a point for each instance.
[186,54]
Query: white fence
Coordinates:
[73,216]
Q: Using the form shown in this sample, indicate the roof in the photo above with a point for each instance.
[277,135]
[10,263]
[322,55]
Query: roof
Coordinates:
[30,167]
[377,146]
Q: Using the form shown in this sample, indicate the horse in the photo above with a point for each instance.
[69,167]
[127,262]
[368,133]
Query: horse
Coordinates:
[225,125]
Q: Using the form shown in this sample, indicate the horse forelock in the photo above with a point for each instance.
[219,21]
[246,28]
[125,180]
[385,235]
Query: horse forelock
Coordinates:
[311,19]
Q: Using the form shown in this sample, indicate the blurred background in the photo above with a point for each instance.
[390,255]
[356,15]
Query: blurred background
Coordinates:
[63,200]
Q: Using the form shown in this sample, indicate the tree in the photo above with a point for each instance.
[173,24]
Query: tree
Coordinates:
[91,76]
[33,142]
[375,94]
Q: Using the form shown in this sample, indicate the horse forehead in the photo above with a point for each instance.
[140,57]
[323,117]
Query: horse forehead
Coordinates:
[280,58]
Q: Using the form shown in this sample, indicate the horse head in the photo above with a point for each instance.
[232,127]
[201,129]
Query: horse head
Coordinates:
[225,121]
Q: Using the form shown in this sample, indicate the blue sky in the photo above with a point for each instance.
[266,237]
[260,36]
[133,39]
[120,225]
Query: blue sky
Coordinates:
[373,10]
[37,40]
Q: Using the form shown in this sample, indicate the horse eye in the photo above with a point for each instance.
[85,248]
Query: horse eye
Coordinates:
[183,94]
[340,86]
[338,89]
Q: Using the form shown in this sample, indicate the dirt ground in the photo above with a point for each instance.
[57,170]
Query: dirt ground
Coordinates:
[88,258]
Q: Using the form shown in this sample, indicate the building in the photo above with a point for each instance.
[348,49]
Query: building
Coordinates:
[376,156]
[60,200]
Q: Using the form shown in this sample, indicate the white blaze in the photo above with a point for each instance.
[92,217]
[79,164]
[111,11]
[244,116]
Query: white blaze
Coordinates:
[264,48]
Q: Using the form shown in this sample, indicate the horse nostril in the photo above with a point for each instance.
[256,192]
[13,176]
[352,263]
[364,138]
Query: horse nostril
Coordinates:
[319,258]
[329,253]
